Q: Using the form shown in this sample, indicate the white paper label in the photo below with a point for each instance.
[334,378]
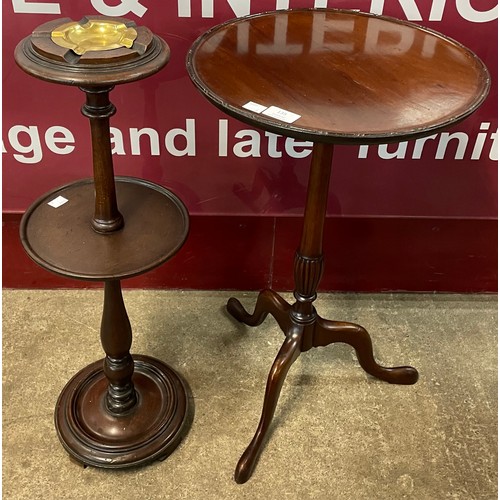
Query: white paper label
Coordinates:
[57,202]
[281,114]
[253,106]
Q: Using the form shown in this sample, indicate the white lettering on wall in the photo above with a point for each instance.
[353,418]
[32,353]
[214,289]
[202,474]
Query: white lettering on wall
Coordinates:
[117,144]
[272,141]
[187,135]
[409,8]
[494,147]
[33,148]
[456,145]
[481,138]
[23,7]
[154,140]
[56,135]
[292,144]
[248,147]
[25,140]
[255,146]
[239,7]
[444,140]
[223,132]
[173,140]
[400,153]
[419,146]
[466,10]
[244,7]
[122,9]
[26,143]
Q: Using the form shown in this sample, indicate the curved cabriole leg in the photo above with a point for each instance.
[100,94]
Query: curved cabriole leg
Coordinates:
[329,332]
[268,302]
[288,353]
[302,326]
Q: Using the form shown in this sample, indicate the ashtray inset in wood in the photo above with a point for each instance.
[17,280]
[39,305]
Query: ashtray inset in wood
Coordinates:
[93,35]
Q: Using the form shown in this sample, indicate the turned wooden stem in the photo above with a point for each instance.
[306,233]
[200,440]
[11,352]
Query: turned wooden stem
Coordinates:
[116,339]
[99,109]
[311,244]
[308,266]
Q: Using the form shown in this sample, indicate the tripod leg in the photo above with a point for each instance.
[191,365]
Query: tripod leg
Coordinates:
[268,302]
[288,353]
[329,332]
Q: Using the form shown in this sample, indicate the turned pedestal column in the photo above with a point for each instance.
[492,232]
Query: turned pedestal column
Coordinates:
[124,410]
[331,77]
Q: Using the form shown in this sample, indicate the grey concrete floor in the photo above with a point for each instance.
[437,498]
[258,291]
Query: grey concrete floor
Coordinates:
[337,434]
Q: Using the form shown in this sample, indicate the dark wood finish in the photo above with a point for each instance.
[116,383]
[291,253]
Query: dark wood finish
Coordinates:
[357,78]
[98,109]
[116,339]
[354,88]
[302,326]
[123,411]
[156,226]
[42,58]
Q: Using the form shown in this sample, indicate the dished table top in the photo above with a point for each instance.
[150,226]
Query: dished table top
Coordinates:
[337,76]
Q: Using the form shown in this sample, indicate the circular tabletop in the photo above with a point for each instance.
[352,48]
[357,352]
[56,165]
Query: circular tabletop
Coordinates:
[57,234]
[337,76]
[95,51]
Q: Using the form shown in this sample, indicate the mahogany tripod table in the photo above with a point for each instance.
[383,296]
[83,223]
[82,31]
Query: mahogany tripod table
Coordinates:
[122,411]
[331,77]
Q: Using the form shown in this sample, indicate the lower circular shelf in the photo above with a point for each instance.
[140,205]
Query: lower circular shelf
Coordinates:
[60,238]
[150,431]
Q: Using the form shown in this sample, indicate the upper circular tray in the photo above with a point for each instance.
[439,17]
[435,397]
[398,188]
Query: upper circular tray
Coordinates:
[337,76]
[62,239]
[97,50]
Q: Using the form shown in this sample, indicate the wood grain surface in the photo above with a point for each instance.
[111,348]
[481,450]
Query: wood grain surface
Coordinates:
[352,77]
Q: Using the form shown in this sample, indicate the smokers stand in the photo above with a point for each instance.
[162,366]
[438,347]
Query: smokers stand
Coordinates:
[331,77]
[123,411]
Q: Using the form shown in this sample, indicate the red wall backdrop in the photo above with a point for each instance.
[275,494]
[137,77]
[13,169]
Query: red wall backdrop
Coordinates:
[410,216]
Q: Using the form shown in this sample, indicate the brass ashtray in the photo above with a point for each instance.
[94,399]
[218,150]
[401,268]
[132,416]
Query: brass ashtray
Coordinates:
[93,35]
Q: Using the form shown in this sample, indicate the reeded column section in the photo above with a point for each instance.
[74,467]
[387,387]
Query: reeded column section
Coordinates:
[307,275]
[308,266]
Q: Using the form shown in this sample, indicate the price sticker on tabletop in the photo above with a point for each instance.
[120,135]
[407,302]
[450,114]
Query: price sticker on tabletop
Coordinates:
[281,114]
[58,202]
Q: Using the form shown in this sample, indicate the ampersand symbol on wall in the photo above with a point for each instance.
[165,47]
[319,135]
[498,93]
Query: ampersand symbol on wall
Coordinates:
[123,8]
